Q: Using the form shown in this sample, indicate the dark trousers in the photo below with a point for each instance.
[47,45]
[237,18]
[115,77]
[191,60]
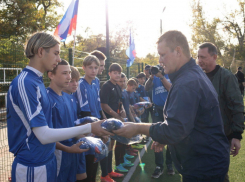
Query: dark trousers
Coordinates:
[211,179]
[159,159]
[91,168]
[120,151]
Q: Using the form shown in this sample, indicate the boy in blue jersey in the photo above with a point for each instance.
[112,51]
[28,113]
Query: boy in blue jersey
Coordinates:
[31,135]
[63,116]
[103,163]
[89,103]
[102,59]
[143,95]
[71,89]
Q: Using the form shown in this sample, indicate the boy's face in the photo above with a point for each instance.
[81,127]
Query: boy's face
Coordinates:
[51,58]
[102,67]
[121,83]
[72,86]
[91,70]
[115,76]
[62,77]
[141,80]
[131,88]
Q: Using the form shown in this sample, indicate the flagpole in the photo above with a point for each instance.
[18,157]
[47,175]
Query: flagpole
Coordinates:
[74,46]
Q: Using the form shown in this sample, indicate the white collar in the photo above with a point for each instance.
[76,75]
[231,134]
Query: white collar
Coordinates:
[40,74]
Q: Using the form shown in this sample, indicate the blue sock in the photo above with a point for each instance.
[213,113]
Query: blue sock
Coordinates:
[110,162]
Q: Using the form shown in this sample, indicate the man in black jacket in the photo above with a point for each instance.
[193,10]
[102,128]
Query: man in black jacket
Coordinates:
[193,126]
[240,77]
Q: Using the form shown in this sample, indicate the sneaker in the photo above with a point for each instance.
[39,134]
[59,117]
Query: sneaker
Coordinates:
[137,146]
[128,156]
[130,152]
[157,173]
[115,175]
[106,179]
[127,163]
[121,169]
[170,170]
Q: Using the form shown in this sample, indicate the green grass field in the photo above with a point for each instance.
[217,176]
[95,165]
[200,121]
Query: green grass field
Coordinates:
[236,170]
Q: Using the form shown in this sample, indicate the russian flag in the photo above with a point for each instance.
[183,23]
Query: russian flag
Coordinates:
[130,52]
[68,22]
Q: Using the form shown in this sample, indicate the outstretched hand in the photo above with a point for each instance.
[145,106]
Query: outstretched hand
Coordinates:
[98,130]
[129,130]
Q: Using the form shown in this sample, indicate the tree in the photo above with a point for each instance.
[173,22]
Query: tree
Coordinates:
[22,17]
[234,24]
[204,31]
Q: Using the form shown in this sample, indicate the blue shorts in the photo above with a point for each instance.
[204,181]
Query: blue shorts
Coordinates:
[66,166]
[34,173]
[81,163]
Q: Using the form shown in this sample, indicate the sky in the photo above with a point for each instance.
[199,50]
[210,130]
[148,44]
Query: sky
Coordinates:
[145,15]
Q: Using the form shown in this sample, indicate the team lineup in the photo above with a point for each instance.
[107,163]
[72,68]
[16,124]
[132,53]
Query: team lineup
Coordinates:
[63,132]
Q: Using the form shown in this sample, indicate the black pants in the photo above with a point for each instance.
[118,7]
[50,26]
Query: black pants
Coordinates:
[91,169]
[120,151]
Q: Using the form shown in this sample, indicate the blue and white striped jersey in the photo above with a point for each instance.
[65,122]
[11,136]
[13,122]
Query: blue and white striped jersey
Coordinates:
[88,97]
[28,106]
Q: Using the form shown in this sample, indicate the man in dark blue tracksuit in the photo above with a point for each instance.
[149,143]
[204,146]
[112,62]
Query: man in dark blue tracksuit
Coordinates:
[193,126]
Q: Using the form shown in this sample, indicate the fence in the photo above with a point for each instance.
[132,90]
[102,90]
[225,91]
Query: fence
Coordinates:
[12,61]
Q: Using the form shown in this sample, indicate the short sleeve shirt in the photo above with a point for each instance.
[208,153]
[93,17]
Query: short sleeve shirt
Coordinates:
[110,94]
[89,98]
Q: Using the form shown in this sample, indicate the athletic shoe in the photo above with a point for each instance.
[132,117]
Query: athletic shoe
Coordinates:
[115,175]
[106,179]
[157,173]
[137,146]
[121,169]
[129,152]
[170,170]
[128,156]
[127,163]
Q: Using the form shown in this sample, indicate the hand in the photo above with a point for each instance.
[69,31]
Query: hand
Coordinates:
[129,130]
[104,139]
[235,147]
[98,130]
[157,147]
[123,113]
[141,111]
[149,105]
[76,148]
[159,75]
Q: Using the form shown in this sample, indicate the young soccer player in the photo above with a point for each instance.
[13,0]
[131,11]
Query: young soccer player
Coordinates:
[143,95]
[71,89]
[103,163]
[89,102]
[110,96]
[31,135]
[129,114]
[63,116]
